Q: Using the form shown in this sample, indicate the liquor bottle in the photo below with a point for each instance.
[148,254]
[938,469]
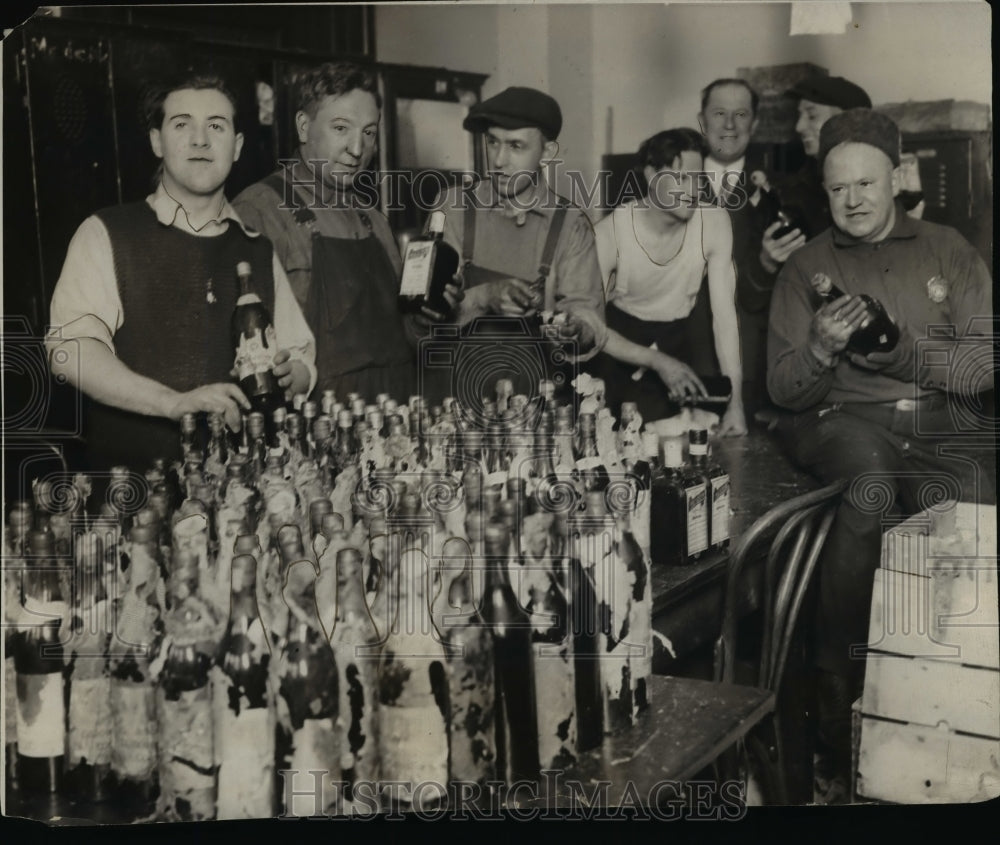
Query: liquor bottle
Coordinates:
[355,642]
[19,524]
[218,448]
[133,698]
[244,718]
[256,428]
[184,697]
[189,435]
[546,570]
[719,487]
[590,472]
[344,450]
[601,556]
[254,343]
[718,393]
[38,662]
[428,266]
[308,685]
[668,507]
[696,497]
[468,647]
[327,401]
[88,738]
[413,691]
[880,335]
[515,706]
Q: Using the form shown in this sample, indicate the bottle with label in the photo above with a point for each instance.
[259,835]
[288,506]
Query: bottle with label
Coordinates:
[413,692]
[308,686]
[184,697]
[429,264]
[254,343]
[516,718]
[244,717]
[88,740]
[880,335]
[133,695]
[355,641]
[601,555]
[546,568]
[719,488]
[591,474]
[586,628]
[38,662]
[468,646]
[668,507]
[15,546]
[696,497]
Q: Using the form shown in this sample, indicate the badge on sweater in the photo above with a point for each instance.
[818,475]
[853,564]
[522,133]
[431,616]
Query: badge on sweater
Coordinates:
[937,289]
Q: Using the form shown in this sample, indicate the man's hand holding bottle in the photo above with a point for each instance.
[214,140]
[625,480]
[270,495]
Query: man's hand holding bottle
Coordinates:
[775,251]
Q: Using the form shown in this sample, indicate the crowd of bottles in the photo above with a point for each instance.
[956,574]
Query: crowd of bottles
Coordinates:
[380,593]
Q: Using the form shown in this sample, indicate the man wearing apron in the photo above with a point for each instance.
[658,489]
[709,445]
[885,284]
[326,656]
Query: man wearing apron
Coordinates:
[525,251]
[337,250]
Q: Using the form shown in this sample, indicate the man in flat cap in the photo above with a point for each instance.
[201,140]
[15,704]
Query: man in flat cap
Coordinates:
[525,249]
[879,419]
[802,195]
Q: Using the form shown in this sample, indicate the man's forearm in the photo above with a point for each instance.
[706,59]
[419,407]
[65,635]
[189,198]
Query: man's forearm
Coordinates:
[94,369]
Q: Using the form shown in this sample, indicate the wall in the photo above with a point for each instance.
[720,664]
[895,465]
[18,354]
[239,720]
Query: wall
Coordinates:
[624,71]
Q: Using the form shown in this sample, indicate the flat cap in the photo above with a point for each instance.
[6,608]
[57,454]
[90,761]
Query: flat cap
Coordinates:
[516,108]
[860,126]
[832,91]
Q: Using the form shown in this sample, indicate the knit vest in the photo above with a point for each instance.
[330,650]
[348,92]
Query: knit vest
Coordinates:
[171,332]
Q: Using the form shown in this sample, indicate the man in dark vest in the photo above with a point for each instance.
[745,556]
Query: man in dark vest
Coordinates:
[141,312]
[335,245]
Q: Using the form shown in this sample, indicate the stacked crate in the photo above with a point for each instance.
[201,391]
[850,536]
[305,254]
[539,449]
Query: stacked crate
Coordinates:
[930,713]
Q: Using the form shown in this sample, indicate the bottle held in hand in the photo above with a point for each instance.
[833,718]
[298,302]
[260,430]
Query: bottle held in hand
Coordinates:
[255,345]
[880,334]
[428,266]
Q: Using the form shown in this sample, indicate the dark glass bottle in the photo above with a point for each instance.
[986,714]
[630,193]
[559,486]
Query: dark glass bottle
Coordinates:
[516,718]
[718,490]
[184,699]
[254,343]
[428,265]
[696,497]
[668,510]
[38,661]
[880,335]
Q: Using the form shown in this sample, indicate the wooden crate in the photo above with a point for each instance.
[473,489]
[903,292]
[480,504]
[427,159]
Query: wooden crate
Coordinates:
[930,713]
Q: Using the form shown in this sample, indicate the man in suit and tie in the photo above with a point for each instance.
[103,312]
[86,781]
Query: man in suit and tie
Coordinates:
[727,119]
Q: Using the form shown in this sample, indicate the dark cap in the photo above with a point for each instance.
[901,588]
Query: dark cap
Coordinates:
[860,126]
[832,91]
[516,108]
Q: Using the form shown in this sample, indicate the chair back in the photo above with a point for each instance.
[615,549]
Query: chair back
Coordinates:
[799,528]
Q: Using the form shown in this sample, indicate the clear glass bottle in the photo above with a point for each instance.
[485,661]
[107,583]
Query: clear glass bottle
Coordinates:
[184,697]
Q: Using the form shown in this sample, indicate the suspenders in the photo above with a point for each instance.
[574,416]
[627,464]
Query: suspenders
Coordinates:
[551,239]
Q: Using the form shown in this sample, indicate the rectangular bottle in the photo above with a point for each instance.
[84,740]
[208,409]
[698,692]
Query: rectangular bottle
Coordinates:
[429,265]
[696,497]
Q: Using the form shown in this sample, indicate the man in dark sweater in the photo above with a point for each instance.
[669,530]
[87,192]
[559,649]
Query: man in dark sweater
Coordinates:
[894,422]
[141,312]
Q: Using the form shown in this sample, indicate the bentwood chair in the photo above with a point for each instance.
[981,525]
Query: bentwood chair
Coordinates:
[802,526]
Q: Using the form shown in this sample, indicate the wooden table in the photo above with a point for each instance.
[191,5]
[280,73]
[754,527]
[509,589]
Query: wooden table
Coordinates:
[687,600]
